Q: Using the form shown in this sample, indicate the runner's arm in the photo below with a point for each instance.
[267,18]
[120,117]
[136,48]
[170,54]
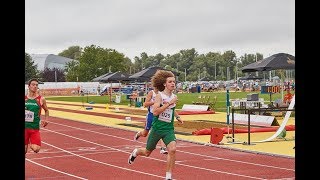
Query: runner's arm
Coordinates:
[44,106]
[178,117]
[148,102]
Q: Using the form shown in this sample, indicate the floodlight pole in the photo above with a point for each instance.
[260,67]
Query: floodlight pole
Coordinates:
[215,70]
[228,107]
[55,80]
[257,74]
[55,75]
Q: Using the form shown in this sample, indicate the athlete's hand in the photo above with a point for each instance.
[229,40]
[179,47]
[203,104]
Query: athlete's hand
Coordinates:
[44,123]
[180,120]
[173,100]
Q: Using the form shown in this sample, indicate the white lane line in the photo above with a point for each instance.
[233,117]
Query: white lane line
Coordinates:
[196,154]
[255,164]
[119,167]
[51,177]
[196,167]
[52,157]
[55,169]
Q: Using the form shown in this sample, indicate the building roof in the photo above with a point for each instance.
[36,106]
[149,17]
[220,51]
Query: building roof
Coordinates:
[49,61]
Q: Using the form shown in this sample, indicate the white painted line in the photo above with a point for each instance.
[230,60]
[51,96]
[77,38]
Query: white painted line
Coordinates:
[55,169]
[119,167]
[52,157]
[196,154]
[255,164]
[196,167]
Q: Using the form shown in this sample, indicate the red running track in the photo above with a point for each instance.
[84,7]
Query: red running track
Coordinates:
[76,150]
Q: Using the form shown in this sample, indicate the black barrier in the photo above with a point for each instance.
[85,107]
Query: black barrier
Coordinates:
[249,111]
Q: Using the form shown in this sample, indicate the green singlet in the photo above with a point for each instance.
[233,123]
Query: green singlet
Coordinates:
[32,114]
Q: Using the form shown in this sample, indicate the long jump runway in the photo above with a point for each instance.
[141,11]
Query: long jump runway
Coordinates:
[76,150]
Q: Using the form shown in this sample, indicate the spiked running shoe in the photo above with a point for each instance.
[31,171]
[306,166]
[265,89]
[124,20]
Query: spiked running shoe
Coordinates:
[163,150]
[131,157]
[136,136]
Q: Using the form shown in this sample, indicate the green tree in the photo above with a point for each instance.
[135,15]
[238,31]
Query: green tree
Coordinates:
[248,59]
[137,64]
[72,71]
[141,63]
[148,61]
[128,65]
[30,68]
[95,61]
[229,61]
[53,75]
[181,61]
[73,52]
[213,63]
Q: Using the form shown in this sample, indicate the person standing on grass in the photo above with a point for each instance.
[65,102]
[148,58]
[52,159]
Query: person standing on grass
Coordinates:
[149,102]
[33,105]
[163,123]
[287,97]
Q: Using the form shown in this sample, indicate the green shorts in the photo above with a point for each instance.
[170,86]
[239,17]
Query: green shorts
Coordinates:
[155,136]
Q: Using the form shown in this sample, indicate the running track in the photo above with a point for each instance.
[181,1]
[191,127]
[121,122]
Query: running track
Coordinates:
[76,150]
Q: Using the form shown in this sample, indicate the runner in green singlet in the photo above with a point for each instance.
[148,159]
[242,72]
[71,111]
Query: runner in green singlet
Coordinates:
[162,126]
[33,105]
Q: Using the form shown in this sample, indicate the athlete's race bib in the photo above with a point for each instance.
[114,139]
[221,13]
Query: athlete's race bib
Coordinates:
[166,115]
[29,116]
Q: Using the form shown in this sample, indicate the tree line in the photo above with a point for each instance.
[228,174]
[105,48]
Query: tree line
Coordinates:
[93,61]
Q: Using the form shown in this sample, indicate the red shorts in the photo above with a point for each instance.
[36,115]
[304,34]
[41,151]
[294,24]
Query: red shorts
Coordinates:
[32,135]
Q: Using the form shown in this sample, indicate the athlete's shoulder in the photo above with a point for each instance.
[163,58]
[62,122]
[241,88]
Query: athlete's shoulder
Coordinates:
[39,97]
[26,98]
[160,93]
[150,94]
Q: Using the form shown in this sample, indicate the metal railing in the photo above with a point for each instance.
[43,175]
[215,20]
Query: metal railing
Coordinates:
[250,111]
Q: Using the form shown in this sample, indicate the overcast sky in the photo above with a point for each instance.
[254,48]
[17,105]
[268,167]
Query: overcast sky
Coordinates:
[161,26]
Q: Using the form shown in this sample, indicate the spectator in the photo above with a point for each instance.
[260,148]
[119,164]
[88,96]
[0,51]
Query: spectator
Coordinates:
[287,97]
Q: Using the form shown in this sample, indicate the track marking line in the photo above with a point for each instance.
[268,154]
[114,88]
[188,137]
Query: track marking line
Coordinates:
[47,167]
[51,177]
[196,167]
[201,155]
[119,167]
[55,152]
[255,164]
[52,157]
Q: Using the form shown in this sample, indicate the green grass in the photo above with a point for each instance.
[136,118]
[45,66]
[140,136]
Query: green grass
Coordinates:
[184,98]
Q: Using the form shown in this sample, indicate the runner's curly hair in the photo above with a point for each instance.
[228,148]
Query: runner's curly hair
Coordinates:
[159,78]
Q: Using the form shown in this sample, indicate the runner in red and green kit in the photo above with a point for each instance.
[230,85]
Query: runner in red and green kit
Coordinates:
[162,125]
[33,105]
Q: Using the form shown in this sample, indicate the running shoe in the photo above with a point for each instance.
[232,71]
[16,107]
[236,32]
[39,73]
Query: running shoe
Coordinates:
[131,157]
[163,150]
[136,136]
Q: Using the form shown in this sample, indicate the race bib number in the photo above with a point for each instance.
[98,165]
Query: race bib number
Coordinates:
[166,115]
[29,116]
